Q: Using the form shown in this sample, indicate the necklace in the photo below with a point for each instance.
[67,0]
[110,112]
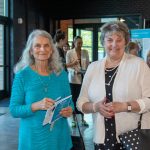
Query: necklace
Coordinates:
[44,84]
[111,69]
[108,84]
[112,64]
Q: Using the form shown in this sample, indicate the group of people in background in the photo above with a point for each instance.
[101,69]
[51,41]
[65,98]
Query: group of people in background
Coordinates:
[115,89]
[78,59]
[134,49]
[75,62]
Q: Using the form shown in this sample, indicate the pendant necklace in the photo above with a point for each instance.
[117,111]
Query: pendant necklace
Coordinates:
[108,84]
[44,84]
[108,70]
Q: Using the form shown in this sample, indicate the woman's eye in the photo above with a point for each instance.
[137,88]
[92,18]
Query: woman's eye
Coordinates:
[46,46]
[118,40]
[37,46]
[109,40]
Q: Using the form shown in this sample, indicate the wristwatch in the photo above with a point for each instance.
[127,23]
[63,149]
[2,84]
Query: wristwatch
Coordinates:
[129,108]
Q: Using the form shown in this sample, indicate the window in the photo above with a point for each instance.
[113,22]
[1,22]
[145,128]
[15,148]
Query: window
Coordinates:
[101,52]
[70,36]
[4,50]
[2,8]
[86,37]
[87,41]
[1,57]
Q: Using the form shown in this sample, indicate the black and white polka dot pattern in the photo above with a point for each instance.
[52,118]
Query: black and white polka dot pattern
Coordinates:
[102,147]
[130,140]
[110,142]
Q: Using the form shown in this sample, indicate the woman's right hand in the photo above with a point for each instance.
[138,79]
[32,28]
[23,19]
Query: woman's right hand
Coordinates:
[103,109]
[72,64]
[75,62]
[44,104]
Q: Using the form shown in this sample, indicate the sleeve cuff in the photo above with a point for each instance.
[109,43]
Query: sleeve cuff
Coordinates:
[80,103]
[30,112]
[142,105]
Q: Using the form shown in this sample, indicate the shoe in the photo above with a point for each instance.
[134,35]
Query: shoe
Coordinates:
[73,124]
[84,123]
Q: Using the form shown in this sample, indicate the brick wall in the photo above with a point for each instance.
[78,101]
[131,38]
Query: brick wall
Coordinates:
[64,24]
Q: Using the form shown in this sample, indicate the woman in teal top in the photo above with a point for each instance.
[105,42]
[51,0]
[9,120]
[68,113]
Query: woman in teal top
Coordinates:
[39,81]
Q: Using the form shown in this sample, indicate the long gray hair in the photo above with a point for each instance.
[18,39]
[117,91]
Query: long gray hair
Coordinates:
[54,62]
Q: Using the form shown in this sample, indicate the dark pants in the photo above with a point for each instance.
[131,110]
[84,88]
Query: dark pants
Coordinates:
[75,91]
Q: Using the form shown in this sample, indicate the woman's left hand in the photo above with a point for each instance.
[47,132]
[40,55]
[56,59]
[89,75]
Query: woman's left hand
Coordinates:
[66,112]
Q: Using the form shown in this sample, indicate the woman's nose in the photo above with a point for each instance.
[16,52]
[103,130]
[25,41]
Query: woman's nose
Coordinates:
[42,48]
[114,43]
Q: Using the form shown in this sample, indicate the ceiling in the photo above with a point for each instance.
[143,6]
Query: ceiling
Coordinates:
[78,9]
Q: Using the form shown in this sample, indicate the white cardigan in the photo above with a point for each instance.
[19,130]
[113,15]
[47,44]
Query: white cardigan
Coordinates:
[73,75]
[132,82]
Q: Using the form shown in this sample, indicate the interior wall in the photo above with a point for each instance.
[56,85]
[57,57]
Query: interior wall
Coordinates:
[64,24]
[30,19]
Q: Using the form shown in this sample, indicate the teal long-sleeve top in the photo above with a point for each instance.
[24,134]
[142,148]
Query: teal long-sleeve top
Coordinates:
[29,87]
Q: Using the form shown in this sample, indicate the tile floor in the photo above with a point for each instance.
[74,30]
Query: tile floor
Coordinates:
[9,130]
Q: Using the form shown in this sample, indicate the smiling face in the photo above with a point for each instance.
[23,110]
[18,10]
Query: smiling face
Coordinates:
[114,44]
[41,49]
[78,43]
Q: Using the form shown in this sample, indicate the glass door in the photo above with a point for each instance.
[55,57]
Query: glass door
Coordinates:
[4,62]
[90,34]
[87,37]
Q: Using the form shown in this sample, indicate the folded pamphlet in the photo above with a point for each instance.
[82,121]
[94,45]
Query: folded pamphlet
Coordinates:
[53,113]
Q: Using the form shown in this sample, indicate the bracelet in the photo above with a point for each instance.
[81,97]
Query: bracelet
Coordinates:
[94,109]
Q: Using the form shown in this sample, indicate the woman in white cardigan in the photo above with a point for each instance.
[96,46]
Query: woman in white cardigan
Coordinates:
[116,89]
[77,60]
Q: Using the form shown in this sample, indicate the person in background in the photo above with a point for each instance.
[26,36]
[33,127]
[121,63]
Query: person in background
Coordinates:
[78,60]
[66,47]
[148,58]
[116,89]
[133,48]
[60,41]
[39,81]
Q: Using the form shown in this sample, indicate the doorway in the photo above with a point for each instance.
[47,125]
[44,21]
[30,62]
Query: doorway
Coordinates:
[90,34]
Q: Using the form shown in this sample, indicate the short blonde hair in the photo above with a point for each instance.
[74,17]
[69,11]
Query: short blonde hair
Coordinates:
[115,27]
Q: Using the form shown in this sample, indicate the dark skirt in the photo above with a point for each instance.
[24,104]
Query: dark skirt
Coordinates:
[118,146]
[75,91]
